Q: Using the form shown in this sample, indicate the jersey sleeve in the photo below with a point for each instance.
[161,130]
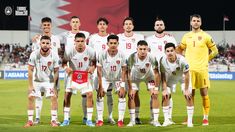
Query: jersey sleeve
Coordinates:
[100,59]
[209,41]
[162,68]
[123,61]
[183,44]
[56,60]
[32,59]
[131,61]
[154,62]
[184,64]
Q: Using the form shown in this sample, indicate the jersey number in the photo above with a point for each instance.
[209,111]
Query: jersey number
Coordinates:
[113,68]
[44,68]
[80,64]
[128,45]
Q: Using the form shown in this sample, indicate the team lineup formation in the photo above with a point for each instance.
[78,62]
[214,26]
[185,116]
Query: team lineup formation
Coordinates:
[106,62]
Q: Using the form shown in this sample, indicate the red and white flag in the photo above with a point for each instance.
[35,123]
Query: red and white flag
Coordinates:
[79,80]
[226,18]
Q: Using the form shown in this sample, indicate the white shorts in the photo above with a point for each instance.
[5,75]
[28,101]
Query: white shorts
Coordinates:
[96,84]
[172,88]
[68,85]
[107,85]
[46,87]
[149,83]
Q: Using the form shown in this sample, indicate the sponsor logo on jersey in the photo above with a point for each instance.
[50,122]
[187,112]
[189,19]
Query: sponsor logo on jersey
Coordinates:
[133,40]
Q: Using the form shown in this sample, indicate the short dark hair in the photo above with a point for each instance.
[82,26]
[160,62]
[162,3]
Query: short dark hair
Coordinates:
[102,19]
[158,18]
[142,42]
[128,18]
[80,35]
[167,45]
[74,17]
[112,36]
[195,15]
[45,37]
[46,19]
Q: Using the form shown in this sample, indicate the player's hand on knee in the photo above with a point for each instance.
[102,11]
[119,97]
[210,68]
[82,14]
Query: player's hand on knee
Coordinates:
[187,94]
[68,70]
[121,92]
[100,93]
[131,94]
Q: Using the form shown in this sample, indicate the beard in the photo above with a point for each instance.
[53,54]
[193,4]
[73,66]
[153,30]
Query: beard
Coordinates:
[160,32]
[45,50]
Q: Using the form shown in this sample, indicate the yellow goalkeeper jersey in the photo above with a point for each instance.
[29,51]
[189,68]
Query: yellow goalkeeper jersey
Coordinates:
[196,47]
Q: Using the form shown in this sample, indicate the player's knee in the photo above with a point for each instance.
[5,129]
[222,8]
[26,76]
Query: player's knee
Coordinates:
[89,95]
[31,98]
[154,96]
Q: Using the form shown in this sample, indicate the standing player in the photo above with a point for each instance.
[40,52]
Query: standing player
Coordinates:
[45,63]
[142,66]
[199,50]
[111,70]
[156,44]
[68,39]
[128,44]
[79,64]
[172,68]
[46,25]
[98,42]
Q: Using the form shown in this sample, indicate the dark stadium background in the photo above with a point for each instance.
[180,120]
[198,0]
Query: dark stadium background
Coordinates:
[175,13]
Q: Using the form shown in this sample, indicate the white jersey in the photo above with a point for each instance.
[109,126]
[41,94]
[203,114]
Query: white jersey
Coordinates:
[173,71]
[111,66]
[68,39]
[98,43]
[129,44]
[44,66]
[55,43]
[142,69]
[157,45]
[80,61]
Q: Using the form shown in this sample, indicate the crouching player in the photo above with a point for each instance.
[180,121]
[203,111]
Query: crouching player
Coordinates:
[143,67]
[45,63]
[111,70]
[172,67]
[79,64]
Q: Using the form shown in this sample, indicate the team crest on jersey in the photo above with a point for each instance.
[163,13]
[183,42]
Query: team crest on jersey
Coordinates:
[85,58]
[49,63]
[147,65]
[118,61]
[79,77]
[199,38]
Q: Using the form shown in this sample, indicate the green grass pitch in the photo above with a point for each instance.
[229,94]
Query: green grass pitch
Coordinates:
[13,111]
